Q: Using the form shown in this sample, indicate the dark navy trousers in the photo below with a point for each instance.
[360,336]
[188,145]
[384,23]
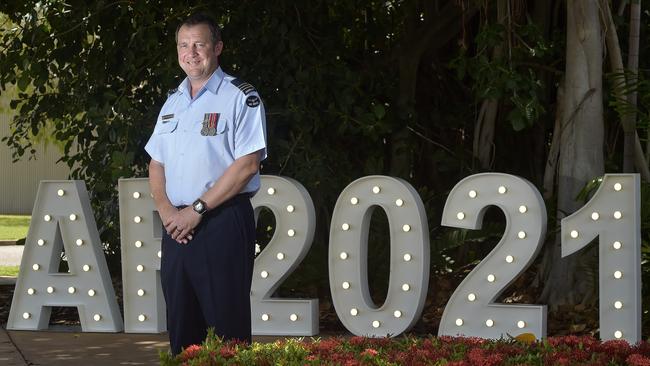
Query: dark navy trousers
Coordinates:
[207,282]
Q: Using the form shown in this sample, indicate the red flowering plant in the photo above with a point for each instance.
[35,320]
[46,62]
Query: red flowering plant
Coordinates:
[407,350]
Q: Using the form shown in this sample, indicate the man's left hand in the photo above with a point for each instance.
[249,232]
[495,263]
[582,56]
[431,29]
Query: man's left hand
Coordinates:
[182,224]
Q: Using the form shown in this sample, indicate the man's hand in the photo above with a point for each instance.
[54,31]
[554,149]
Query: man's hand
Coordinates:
[181,224]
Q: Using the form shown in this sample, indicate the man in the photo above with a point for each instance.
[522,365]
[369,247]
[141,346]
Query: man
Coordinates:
[205,154]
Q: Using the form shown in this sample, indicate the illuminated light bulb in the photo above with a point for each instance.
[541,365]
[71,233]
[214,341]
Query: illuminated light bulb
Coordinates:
[617,187]
[617,215]
[345,285]
[40,242]
[159,254]
[136,195]
[502,190]
[79,242]
[376,189]
[472,194]
[60,193]
[264,274]
[73,217]
[491,278]
[138,244]
[345,226]
[343,255]
[36,267]
[406,228]
[376,323]
[137,219]
[397,314]
[354,200]
[293,317]
[47,217]
[97,317]
[618,334]
[521,235]
[31,291]
[71,290]
[141,292]
[91,292]
[290,208]
[27,315]
[406,287]
[459,322]
[50,290]
[471,297]
[595,216]
[354,312]
[86,268]
[280,256]
[618,305]
[265,317]
[510,259]
[142,317]
[140,268]
[618,274]
[521,324]
[399,202]
[574,234]
[489,323]
[523,209]
[460,216]
[291,232]
[617,245]
[151,195]
[270,191]
[407,257]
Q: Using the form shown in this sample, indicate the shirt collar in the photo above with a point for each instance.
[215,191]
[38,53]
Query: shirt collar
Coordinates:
[212,85]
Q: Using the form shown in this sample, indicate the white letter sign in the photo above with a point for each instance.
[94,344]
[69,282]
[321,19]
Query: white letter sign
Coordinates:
[62,218]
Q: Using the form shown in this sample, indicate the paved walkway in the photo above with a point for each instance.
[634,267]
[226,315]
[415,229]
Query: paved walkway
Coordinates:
[68,348]
[10,255]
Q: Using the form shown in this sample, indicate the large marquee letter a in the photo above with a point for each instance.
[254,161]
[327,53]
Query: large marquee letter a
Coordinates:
[63,225]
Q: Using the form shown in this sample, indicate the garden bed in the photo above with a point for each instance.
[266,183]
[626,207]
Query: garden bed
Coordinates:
[562,350]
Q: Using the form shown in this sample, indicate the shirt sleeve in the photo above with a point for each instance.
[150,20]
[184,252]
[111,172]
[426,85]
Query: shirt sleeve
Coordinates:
[250,128]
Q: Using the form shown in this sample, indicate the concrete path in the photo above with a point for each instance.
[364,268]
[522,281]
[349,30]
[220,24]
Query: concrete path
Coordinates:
[10,255]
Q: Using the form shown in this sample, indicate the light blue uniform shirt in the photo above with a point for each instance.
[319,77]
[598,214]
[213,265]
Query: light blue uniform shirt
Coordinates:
[196,140]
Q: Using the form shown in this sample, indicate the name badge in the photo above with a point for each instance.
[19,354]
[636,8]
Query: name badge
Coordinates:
[167,117]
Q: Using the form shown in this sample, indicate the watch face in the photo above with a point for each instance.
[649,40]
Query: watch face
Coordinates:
[198,206]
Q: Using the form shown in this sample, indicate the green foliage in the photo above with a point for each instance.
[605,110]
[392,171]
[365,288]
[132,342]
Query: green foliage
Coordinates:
[499,69]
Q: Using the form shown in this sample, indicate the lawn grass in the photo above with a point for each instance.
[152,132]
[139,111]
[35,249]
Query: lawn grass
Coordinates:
[13,227]
[9,271]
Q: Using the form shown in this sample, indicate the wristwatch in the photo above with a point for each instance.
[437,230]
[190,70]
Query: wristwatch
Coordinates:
[199,206]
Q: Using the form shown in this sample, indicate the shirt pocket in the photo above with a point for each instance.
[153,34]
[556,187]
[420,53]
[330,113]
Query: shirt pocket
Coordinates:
[165,127]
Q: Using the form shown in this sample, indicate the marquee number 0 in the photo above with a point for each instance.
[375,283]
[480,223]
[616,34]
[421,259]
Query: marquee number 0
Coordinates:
[409,256]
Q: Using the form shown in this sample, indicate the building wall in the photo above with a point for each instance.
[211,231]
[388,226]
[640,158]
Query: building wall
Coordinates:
[19,181]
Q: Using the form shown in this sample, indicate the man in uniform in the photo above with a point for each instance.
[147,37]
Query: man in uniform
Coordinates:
[205,153]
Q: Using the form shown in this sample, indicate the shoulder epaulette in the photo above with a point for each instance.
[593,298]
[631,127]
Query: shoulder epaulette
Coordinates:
[171,91]
[245,87]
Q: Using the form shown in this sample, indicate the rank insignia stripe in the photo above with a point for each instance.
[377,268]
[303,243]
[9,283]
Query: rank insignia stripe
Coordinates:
[245,87]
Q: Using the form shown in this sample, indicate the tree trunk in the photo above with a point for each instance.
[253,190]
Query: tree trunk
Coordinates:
[483,147]
[581,140]
[632,145]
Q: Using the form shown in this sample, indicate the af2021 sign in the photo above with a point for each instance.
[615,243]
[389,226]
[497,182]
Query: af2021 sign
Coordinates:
[62,218]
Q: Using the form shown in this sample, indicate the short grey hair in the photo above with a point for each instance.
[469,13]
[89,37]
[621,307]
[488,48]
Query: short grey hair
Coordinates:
[202,18]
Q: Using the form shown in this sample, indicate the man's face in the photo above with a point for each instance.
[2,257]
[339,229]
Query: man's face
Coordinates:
[197,55]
